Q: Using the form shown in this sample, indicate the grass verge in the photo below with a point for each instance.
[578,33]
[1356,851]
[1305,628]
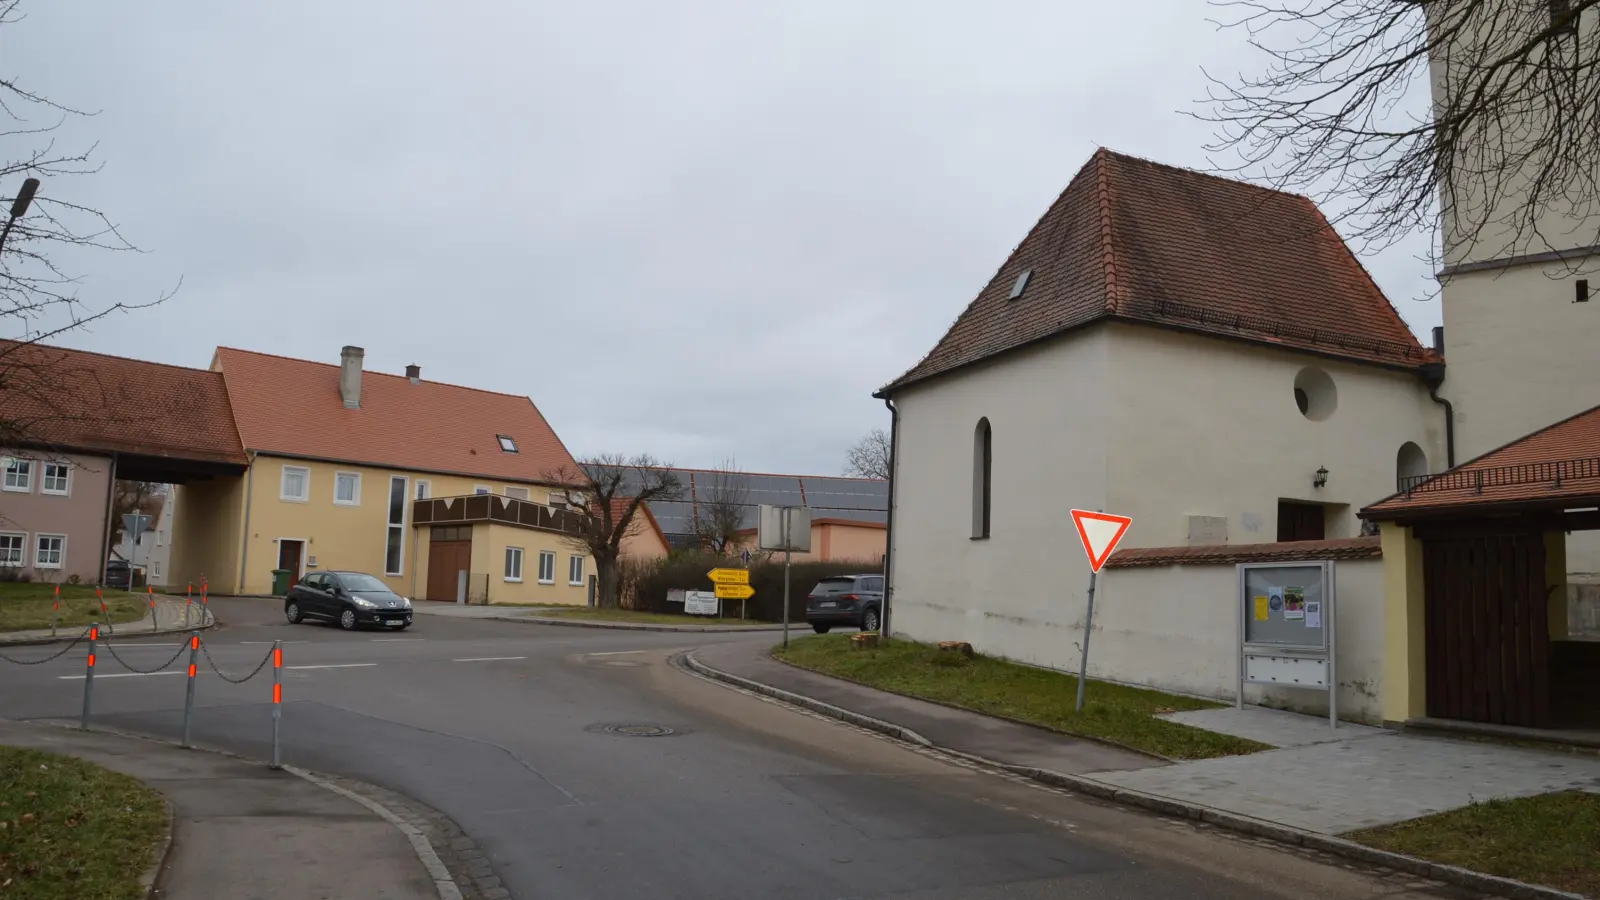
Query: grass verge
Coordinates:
[25,605]
[641,618]
[70,830]
[1112,712]
[1551,839]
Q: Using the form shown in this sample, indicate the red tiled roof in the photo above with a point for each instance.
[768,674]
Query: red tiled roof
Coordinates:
[1230,554]
[1558,465]
[78,400]
[1138,241]
[619,505]
[292,407]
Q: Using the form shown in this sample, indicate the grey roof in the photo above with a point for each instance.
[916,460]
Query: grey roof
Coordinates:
[851,499]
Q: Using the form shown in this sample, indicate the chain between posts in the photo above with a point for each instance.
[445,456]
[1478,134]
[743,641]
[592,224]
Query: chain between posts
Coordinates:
[212,663]
[111,648]
[54,656]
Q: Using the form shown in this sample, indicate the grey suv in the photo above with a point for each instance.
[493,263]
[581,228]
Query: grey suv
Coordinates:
[853,600]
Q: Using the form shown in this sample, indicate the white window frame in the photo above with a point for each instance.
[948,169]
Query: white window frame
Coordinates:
[355,499]
[61,555]
[22,549]
[512,573]
[66,479]
[405,506]
[522,493]
[23,465]
[478,489]
[422,489]
[575,565]
[547,556]
[508,444]
[155,567]
[305,482]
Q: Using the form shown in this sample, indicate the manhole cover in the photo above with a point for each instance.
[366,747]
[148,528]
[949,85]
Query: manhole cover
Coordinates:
[634,730]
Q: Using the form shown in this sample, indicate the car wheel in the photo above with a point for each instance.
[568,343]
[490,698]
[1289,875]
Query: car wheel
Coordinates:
[869,620]
[347,620]
[292,613]
[820,629]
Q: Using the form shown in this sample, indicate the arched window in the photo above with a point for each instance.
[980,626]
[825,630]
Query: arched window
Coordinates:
[1410,462]
[982,478]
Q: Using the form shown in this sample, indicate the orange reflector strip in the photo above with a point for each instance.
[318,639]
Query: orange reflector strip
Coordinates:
[94,633]
[277,659]
[194,642]
[191,670]
[91,660]
[277,693]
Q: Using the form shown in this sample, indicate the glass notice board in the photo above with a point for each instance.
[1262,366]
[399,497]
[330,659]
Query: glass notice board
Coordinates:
[1286,605]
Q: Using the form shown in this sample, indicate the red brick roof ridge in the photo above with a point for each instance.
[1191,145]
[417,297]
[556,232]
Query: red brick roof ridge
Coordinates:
[1108,255]
[365,372]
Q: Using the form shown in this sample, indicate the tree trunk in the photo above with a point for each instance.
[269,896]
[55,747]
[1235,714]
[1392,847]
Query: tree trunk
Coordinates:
[609,575]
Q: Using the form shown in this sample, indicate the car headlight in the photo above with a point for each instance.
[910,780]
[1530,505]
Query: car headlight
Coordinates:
[363,602]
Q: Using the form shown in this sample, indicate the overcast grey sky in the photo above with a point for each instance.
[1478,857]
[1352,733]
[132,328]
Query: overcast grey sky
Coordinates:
[704,229]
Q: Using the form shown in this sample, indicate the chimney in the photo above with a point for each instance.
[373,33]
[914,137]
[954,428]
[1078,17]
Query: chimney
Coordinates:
[1438,339]
[414,373]
[350,376]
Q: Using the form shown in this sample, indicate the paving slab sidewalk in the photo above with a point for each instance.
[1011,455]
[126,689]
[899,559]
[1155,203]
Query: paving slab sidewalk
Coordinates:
[1317,783]
[171,615]
[243,831]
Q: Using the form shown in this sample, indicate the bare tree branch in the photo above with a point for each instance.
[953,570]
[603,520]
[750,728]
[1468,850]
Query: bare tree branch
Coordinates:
[1510,149]
[869,457]
[720,513]
[609,491]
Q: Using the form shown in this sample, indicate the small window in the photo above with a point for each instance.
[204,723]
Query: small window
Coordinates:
[558,499]
[482,489]
[296,484]
[50,552]
[513,563]
[19,475]
[347,488]
[13,549]
[982,478]
[575,570]
[547,567]
[57,478]
[507,444]
[424,490]
[1021,284]
[155,568]
[519,493]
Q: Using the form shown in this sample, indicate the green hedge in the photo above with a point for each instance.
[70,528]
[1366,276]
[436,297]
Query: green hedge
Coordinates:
[651,580]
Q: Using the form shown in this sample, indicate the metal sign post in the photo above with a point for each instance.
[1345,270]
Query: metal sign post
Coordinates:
[1100,532]
[1088,627]
[1286,628]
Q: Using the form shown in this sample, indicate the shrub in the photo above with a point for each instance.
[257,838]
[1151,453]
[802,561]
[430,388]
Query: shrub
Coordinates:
[646,583]
[14,574]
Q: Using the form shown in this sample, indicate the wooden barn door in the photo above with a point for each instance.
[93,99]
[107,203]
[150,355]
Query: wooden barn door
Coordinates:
[1488,652]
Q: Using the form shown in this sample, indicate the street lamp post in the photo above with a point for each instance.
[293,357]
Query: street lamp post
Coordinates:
[19,207]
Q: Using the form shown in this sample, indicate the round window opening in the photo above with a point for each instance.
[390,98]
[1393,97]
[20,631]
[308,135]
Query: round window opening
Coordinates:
[1314,394]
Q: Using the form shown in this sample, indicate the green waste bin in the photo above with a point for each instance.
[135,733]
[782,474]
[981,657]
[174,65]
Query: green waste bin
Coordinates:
[280,581]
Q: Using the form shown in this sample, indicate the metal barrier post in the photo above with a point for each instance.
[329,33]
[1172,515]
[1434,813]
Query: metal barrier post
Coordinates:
[277,701]
[88,678]
[151,592]
[188,696]
[205,589]
[188,601]
[55,611]
[105,614]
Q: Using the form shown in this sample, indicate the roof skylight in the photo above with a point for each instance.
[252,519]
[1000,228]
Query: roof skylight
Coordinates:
[1021,285]
[506,443]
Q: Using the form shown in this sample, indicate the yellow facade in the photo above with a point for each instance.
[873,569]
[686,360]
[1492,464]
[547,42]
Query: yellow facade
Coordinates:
[232,531]
[1404,626]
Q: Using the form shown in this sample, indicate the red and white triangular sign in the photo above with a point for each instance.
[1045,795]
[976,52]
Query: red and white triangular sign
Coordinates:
[1099,533]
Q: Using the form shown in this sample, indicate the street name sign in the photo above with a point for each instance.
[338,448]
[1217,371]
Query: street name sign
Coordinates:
[729,576]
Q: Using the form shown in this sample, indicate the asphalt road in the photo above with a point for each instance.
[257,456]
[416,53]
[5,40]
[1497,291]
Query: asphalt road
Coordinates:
[512,730]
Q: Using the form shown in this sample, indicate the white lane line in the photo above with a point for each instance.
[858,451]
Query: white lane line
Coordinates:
[487,658]
[273,642]
[396,640]
[616,652]
[334,666]
[144,646]
[118,675]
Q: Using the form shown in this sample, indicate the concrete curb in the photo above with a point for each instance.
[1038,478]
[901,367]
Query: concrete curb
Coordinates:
[442,881]
[63,638]
[152,874]
[1490,884]
[631,626]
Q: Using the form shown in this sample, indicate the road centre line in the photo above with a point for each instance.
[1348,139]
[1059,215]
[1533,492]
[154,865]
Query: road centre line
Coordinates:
[119,675]
[396,640]
[487,658]
[334,666]
[616,652]
[273,642]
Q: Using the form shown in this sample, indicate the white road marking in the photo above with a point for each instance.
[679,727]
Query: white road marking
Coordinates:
[397,640]
[274,642]
[117,675]
[616,652]
[334,666]
[143,646]
[487,658]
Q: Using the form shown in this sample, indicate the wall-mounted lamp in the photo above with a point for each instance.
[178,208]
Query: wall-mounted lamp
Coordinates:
[1321,478]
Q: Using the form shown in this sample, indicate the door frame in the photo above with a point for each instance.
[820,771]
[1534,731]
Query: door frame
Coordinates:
[278,542]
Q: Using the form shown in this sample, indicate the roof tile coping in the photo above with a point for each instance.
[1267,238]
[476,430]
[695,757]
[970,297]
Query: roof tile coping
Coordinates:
[1231,554]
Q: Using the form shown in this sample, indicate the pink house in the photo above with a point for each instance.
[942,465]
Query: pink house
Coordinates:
[71,424]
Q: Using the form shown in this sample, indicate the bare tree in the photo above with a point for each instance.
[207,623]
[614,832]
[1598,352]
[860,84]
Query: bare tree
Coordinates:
[39,299]
[609,490]
[720,513]
[1512,143]
[129,497]
[869,458]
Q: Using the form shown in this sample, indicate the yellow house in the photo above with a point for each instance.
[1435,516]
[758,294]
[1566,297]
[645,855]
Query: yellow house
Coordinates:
[444,492]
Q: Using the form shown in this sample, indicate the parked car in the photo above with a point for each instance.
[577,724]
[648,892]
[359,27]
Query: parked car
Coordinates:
[352,599]
[119,575]
[853,600]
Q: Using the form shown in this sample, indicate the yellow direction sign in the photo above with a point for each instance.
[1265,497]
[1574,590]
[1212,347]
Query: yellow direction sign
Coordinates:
[735,592]
[729,576]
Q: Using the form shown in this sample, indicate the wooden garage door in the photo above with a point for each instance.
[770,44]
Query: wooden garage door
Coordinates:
[449,553]
[1488,635]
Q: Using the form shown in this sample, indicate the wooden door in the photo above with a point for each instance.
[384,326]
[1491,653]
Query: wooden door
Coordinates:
[1488,630]
[289,558]
[445,560]
[1300,521]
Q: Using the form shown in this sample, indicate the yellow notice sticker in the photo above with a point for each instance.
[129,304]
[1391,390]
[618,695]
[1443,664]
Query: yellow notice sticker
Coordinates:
[1261,609]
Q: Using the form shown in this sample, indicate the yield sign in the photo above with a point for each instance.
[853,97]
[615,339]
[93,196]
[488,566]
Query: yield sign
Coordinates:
[1100,533]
